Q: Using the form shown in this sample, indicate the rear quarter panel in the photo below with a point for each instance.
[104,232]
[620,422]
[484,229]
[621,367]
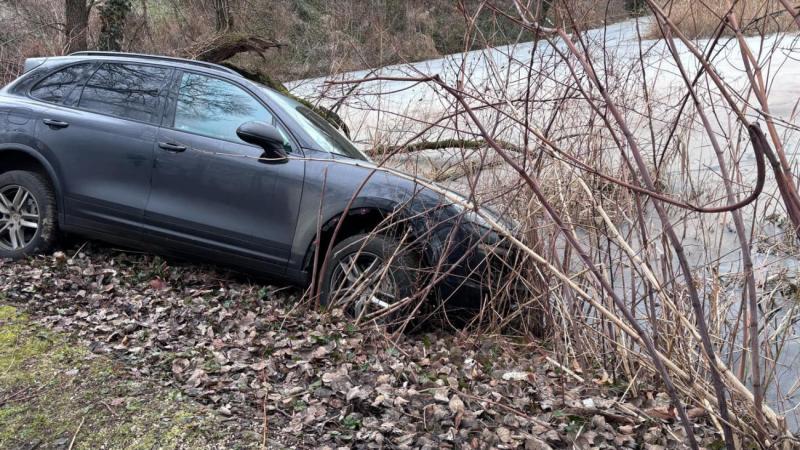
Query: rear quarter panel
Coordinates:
[19,117]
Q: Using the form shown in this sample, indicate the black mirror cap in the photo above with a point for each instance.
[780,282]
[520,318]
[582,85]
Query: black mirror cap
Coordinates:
[265,136]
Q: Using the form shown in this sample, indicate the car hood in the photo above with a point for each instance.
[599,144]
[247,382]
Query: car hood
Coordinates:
[445,196]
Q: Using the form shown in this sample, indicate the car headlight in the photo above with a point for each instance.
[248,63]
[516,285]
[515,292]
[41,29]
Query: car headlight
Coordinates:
[474,218]
[482,219]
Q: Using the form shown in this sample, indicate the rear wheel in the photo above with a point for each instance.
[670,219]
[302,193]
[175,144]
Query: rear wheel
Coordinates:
[27,214]
[372,277]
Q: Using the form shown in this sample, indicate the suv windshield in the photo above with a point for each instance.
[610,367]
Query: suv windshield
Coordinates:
[320,130]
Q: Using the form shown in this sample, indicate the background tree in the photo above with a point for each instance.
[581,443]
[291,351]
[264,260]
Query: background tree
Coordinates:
[113,14]
[634,5]
[223,15]
[76,22]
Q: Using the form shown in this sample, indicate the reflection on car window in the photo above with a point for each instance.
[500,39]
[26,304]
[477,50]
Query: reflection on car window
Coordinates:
[125,90]
[215,108]
[55,87]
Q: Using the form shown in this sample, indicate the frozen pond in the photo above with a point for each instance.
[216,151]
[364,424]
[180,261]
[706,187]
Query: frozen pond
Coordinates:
[392,112]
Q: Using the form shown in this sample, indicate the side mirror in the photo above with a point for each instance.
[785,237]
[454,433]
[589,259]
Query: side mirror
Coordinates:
[265,136]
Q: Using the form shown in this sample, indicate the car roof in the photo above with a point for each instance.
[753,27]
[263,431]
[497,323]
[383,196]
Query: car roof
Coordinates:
[140,57]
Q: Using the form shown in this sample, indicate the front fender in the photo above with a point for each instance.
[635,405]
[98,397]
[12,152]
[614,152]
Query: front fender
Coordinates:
[332,189]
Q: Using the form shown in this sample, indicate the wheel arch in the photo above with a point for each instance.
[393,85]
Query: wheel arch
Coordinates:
[22,157]
[359,218]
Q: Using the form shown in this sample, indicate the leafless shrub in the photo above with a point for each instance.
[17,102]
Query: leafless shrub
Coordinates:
[638,259]
[702,19]
[36,35]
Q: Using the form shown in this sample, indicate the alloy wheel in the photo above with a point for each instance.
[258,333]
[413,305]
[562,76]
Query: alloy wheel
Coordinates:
[19,217]
[361,282]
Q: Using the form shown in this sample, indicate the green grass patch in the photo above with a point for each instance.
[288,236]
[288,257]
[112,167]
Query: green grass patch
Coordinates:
[52,391]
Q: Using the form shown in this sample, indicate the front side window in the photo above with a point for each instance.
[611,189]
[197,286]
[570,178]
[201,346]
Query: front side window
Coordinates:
[215,108]
[129,91]
[320,130]
[55,87]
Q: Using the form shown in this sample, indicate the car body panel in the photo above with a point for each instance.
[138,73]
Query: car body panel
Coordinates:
[108,163]
[219,194]
[218,199]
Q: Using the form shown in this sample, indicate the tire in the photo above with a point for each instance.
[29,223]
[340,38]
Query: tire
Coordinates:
[402,273]
[19,238]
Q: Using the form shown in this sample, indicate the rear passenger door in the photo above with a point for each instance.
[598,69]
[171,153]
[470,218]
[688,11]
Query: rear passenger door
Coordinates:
[102,137]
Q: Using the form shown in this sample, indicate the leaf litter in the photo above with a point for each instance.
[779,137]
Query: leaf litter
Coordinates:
[298,377]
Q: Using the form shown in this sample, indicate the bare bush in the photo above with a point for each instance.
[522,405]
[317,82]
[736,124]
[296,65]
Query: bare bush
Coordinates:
[597,142]
[702,19]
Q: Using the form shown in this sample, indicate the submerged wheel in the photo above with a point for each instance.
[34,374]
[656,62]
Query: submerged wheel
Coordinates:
[27,214]
[368,275]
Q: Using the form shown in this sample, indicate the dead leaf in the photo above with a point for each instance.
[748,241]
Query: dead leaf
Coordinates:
[157,284]
[696,412]
[504,434]
[456,405]
[661,412]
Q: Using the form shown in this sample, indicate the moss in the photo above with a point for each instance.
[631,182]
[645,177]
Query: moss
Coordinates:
[52,390]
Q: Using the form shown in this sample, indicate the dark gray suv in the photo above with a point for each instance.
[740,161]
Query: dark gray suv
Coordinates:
[190,158]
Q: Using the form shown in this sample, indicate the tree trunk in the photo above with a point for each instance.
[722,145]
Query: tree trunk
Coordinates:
[76,21]
[113,15]
[542,9]
[635,6]
[223,14]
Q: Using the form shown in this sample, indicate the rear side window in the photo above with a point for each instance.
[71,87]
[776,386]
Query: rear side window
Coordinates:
[215,108]
[129,91]
[56,87]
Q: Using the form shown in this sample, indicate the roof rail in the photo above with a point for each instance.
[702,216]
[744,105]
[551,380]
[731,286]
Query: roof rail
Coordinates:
[207,65]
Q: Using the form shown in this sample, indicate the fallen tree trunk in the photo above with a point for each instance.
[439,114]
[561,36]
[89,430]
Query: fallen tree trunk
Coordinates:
[220,48]
[442,144]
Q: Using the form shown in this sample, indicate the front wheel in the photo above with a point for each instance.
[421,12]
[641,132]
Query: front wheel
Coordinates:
[372,277]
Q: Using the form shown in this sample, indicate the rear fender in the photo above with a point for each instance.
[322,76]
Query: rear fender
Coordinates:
[6,149]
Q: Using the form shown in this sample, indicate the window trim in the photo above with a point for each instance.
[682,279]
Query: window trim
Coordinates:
[168,120]
[162,94]
[88,72]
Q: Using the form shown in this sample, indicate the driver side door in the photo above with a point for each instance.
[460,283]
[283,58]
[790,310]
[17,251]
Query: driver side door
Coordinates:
[211,195]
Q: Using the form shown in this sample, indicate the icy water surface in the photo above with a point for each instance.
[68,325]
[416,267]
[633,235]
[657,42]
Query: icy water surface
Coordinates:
[394,111]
